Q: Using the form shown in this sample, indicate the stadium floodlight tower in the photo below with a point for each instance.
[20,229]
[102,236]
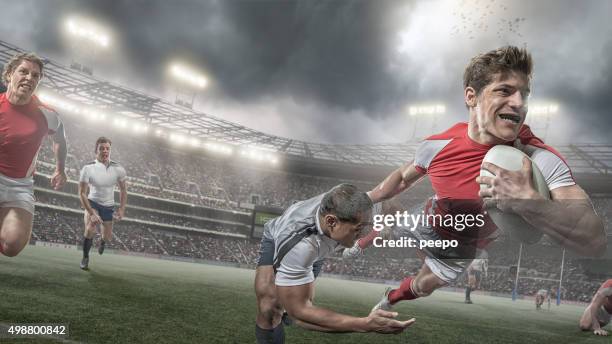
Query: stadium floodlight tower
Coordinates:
[539,116]
[188,83]
[432,111]
[86,40]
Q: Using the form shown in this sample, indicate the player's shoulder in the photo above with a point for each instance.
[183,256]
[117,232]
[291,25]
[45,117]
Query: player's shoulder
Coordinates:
[116,164]
[89,164]
[431,146]
[456,131]
[607,284]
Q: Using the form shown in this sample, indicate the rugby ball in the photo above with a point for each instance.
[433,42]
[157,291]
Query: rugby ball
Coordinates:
[510,158]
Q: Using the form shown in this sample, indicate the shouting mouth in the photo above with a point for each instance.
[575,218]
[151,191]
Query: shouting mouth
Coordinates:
[510,117]
[25,87]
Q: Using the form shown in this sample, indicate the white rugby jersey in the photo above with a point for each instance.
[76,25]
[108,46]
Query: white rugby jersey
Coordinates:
[102,180]
[296,266]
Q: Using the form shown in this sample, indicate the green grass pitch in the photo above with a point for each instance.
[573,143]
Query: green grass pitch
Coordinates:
[139,300]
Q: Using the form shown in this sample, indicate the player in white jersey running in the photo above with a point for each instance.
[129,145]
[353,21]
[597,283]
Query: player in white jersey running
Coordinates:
[100,177]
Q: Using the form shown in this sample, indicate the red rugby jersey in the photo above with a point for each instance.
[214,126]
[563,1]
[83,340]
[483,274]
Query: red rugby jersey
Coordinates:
[452,161]
[22,129]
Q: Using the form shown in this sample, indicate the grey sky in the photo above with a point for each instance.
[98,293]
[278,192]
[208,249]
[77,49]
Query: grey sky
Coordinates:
[341,71]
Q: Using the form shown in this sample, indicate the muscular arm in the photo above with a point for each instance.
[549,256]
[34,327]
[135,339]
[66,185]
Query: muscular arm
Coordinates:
[296,300]
[396,182]
[569,219]
[60,151]
[83,188]
[122,194]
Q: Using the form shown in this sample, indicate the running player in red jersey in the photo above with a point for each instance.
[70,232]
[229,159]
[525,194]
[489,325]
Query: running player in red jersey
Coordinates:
[24,122]
[496,91]
[599,312]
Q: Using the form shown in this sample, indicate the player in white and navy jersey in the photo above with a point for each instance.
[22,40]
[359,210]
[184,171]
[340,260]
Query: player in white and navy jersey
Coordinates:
[24,123]
[292,249]
[100,177]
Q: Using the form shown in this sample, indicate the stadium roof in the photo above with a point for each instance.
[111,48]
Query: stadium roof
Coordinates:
[105,96]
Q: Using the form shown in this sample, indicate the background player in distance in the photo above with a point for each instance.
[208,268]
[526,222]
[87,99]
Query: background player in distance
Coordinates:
[24,122]
[99,178]
[599,312]
[541,296]
[475,272]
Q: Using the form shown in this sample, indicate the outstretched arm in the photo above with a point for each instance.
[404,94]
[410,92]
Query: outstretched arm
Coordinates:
[296,300]
[396,182]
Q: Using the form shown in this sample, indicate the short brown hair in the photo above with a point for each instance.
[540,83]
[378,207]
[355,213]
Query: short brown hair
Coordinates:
[481,69]
[102,140]
[16,60]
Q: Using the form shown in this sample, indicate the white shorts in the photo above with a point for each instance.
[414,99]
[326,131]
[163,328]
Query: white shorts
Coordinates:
[17,193]
[603,316]
[447,265]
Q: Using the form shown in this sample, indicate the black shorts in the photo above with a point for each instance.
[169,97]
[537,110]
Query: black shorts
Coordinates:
[266,256]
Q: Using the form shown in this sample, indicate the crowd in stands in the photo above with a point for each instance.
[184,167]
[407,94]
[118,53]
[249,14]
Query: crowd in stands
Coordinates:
[188,177]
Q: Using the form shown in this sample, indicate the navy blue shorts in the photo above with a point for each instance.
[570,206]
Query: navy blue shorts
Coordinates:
[266,256]
[106,213]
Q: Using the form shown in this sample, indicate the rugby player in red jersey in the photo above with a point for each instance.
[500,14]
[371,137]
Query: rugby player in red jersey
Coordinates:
[496,91]
[24,122]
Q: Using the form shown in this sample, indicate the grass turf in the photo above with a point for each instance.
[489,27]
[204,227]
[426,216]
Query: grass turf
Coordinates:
[127,299]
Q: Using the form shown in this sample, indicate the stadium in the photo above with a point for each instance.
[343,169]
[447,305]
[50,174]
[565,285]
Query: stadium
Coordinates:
[181,264]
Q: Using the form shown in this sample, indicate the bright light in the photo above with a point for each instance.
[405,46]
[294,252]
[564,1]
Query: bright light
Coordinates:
[188,75]
[543,109]
[120,122]
[177,138]
[433,109]
[259,155]
[218,148]
[194,142]
[89,31]
[140,128]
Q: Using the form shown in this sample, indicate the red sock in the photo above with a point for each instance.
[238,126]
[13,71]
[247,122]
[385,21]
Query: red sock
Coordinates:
[367,240]
[404,292]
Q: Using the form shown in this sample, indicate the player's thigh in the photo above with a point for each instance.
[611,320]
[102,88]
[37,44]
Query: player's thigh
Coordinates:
[471,279]
[107,230]
[426,281]
[15,229]
[264,282]
[90,227]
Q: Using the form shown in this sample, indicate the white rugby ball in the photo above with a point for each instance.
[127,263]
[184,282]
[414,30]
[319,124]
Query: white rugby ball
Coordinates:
[510,158]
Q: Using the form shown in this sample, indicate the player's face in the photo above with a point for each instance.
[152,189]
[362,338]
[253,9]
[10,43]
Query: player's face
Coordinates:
[103,152]
[24,80]
[502,106]
[346,233]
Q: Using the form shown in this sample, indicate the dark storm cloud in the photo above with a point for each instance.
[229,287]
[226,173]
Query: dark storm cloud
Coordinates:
[341,70]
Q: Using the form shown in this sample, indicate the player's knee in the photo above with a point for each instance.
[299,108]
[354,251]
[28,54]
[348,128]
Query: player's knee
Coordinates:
[270,310]
[11,249]
[422,289]
[584,325]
